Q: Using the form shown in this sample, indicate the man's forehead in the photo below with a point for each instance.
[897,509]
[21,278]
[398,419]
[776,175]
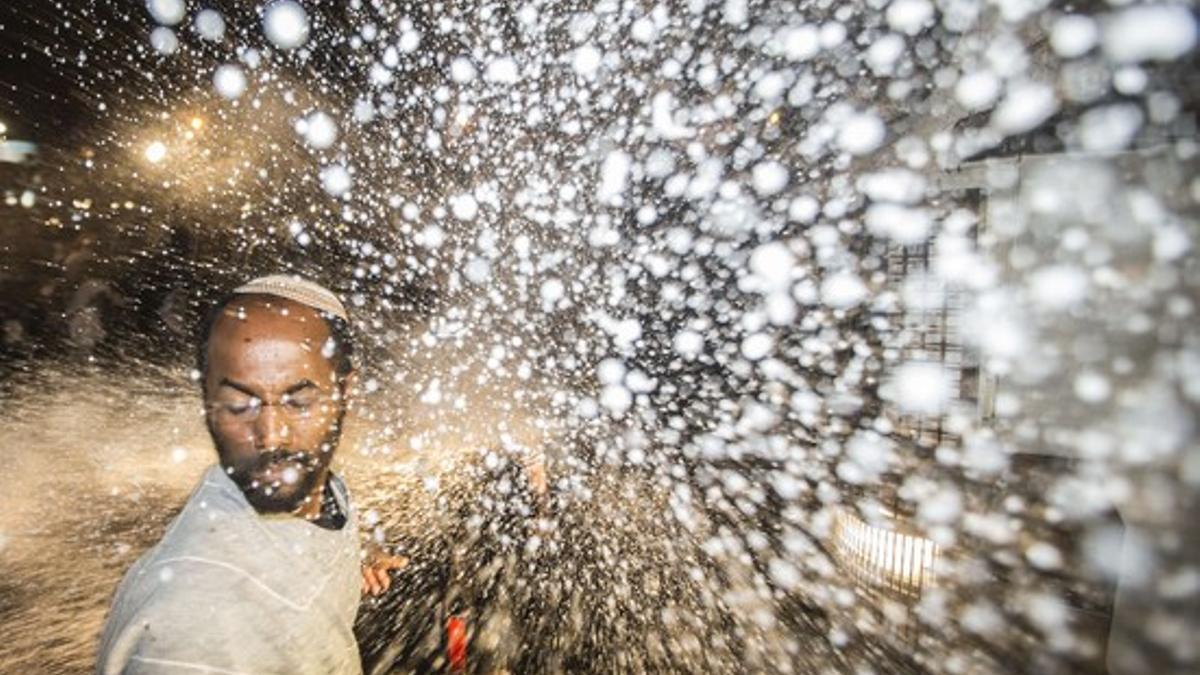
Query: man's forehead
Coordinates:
[266,315]
[269,344]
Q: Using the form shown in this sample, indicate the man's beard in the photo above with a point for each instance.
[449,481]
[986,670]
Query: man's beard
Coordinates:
[278,481]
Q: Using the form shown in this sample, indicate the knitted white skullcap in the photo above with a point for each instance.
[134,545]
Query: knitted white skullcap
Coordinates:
[299,290]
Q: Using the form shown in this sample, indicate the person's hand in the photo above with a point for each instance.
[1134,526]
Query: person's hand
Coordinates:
[375,571]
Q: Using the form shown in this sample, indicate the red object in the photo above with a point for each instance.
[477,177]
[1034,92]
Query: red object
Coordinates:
[456,644]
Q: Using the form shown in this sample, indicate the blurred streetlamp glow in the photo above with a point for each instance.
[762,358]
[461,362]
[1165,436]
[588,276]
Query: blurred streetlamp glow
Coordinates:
[156,152]
[3,128]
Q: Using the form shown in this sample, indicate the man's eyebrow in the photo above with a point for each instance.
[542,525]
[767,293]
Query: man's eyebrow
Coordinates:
[226,382]
[246,389]
[302,384]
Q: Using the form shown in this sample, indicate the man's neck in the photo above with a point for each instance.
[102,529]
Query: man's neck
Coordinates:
[310,508]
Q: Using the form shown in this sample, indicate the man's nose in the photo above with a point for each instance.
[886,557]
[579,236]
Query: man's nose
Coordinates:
[271,428]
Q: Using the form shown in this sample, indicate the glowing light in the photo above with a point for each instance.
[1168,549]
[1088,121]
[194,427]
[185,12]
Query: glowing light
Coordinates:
[156,152]
[197,123]
[3,128]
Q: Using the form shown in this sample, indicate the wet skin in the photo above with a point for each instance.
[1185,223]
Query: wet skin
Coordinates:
[271,351]
[274,405]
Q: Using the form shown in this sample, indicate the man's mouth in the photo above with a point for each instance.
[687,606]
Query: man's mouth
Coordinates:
[279,469]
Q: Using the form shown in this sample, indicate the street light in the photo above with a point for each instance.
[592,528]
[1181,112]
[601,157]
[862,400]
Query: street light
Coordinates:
[3,128]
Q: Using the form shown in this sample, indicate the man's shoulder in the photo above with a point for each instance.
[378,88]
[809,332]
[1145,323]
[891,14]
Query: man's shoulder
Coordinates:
[211,520]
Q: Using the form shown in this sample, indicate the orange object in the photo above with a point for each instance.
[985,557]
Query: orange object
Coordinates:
[456,644]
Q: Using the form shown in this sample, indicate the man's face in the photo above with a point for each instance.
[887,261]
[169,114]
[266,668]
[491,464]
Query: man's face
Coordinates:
[273,402]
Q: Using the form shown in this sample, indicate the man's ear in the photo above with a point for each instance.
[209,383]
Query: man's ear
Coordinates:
[350,387]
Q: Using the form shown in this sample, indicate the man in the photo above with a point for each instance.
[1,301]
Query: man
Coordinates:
[260,572]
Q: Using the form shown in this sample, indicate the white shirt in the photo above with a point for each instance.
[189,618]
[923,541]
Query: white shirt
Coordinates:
[229,590]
